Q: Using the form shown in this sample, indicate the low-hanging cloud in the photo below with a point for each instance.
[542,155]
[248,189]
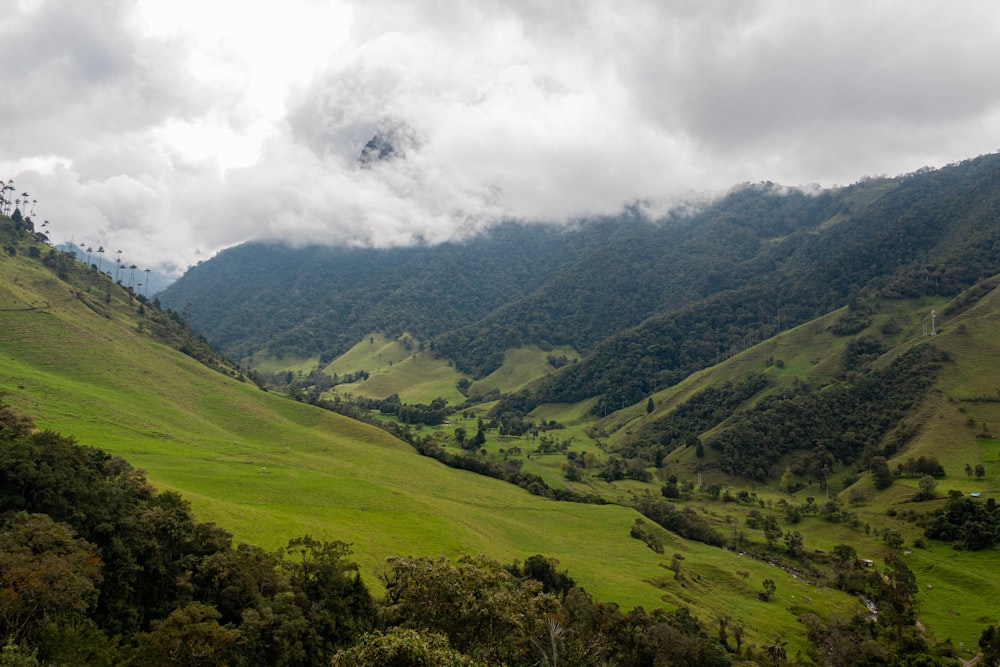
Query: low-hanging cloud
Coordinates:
[172,136]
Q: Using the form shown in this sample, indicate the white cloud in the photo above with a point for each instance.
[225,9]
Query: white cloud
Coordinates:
[175,129]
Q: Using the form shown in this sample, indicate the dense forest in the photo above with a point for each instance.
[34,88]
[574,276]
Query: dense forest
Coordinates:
[319,300]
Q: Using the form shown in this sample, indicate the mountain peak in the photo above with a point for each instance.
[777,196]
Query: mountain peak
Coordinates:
[390,142]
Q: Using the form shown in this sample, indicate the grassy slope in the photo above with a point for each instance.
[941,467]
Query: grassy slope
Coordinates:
[521,367]
[958,590]
[269,469]
[416,376]
[957,593]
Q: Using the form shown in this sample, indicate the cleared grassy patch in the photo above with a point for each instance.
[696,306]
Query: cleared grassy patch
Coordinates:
[521,367]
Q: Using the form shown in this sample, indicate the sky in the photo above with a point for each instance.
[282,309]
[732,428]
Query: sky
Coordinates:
[170,129]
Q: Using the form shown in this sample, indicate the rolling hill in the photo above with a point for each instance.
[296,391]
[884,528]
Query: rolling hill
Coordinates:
[77,355]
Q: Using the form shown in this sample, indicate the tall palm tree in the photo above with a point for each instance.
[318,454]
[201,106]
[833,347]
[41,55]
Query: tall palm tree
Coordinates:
[776,651]
[147,283]
[7,201]
[100,258]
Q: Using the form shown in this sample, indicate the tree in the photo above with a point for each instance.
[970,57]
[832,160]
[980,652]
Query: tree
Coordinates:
[738,631]
[927,485]
[13,425]
[896,592]
[881,475]
[544,570]
[980,471]
[821,464]
[650,405]
[484,610]
[675,564]
[190,635]
[769,590]
[48,577]
[793,540]
[776,651]
[989,642]
[330,592]
[670,489]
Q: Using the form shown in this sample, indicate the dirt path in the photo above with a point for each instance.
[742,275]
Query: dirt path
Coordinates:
[971,662]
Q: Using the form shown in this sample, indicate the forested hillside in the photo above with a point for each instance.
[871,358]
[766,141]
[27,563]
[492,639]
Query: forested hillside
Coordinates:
[320,300]
[645,302]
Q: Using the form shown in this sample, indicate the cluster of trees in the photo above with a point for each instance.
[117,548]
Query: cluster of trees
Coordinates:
[920,466]
[431,415]
[966,522]
[616,468]
[611,291]
[685,522]
[850,416]
[707,409]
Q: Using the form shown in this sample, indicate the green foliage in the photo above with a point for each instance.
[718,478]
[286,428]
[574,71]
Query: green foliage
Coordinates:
[685,522]
[402,647]
[866,407]
[545,571]
[641,531]
[895,593]
[49,578]
[89,550]
[481,607]
[966,522]
[190,635]
[705,410]
[343,294]
[989,643]
[881,476]
[860,352]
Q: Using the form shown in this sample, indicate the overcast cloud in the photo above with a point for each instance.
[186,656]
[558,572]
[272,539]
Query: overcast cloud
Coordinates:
[172,129]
